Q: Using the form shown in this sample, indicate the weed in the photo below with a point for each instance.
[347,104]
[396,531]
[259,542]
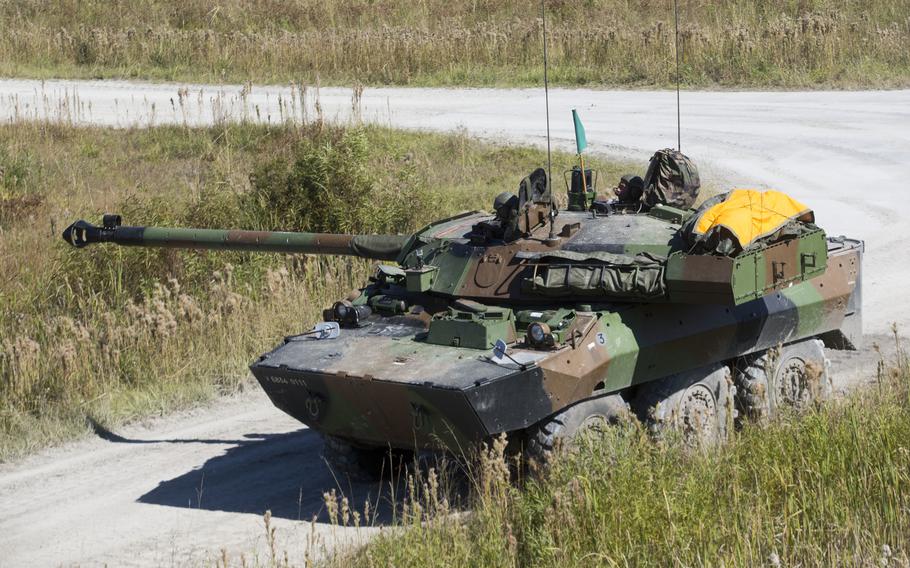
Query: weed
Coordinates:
[809,44]
[122,332]
[829,488]
[21,192]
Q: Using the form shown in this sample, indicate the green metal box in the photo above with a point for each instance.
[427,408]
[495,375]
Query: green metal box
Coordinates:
[420,279]
[709,279]
[476,330]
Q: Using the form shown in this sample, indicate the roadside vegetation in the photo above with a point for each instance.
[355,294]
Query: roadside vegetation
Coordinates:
[114,334]
[831,488]
[736,43]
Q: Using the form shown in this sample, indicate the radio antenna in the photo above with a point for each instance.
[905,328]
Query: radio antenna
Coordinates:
[546,85]
[546,95]
[678,128]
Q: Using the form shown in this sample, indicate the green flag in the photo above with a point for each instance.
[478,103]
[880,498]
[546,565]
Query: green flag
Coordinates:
[580,141]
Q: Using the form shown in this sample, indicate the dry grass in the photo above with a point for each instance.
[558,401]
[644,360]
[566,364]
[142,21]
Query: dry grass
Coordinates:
[118,333]
[831,488]
[781,43]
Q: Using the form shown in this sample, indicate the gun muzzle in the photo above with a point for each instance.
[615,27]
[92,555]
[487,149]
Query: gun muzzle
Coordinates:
[82,233]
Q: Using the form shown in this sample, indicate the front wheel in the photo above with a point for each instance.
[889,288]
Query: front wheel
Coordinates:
[361,463]
[564,429]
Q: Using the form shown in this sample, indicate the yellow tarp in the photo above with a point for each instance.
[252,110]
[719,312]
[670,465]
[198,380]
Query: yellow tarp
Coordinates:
[751,214]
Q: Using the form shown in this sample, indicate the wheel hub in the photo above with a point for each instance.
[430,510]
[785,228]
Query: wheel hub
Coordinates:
[594,424]
[793,383]
[698,415]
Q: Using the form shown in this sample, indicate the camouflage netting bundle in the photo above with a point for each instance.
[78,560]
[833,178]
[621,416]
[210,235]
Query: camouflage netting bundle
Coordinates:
[672,179]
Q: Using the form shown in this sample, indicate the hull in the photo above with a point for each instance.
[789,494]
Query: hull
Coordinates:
[379,386]
[384,385]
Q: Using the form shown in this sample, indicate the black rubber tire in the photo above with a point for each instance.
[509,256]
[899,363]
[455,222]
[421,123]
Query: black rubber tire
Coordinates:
[796,377]
[697,405]
[359,463]
[560,431]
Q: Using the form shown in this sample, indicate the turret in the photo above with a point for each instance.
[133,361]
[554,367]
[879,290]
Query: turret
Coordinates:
[377,247]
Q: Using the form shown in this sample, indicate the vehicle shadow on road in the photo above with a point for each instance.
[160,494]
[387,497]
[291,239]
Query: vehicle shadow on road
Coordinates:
[281,473]
[108,435]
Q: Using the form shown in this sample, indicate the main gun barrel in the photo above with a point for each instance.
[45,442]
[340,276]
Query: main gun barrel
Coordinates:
[377,247]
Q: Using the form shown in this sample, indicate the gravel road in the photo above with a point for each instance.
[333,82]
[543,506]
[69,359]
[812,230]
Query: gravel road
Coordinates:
[176,491]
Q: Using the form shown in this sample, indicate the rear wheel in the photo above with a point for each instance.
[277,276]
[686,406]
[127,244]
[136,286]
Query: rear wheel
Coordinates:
[564,429]
[696,405]
[793,376]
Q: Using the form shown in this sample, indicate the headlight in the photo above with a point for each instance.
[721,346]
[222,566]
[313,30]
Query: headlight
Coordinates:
[340,310]
[350,315]
[539,335]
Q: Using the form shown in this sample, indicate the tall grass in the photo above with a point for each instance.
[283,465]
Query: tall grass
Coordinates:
[116,333]
[789,43]
[828,489]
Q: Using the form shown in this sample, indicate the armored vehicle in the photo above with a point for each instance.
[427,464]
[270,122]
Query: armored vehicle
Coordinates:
[541,323]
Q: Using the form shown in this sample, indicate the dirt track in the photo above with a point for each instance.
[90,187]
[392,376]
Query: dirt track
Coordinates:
[174,492]
[177,490]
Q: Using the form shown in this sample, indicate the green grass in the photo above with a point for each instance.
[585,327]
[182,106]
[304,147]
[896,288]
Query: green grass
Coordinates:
[121,333]
[831,488]
[736,43]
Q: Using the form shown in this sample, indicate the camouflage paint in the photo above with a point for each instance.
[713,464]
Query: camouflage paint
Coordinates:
[460,396]
[378,247]
[385,384]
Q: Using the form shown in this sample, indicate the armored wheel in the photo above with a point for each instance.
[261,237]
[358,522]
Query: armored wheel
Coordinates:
[794,376]
[360,463]
[564,429]
[697,405]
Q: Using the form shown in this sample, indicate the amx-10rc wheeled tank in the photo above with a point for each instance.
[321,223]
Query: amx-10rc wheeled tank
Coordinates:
[541,323]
